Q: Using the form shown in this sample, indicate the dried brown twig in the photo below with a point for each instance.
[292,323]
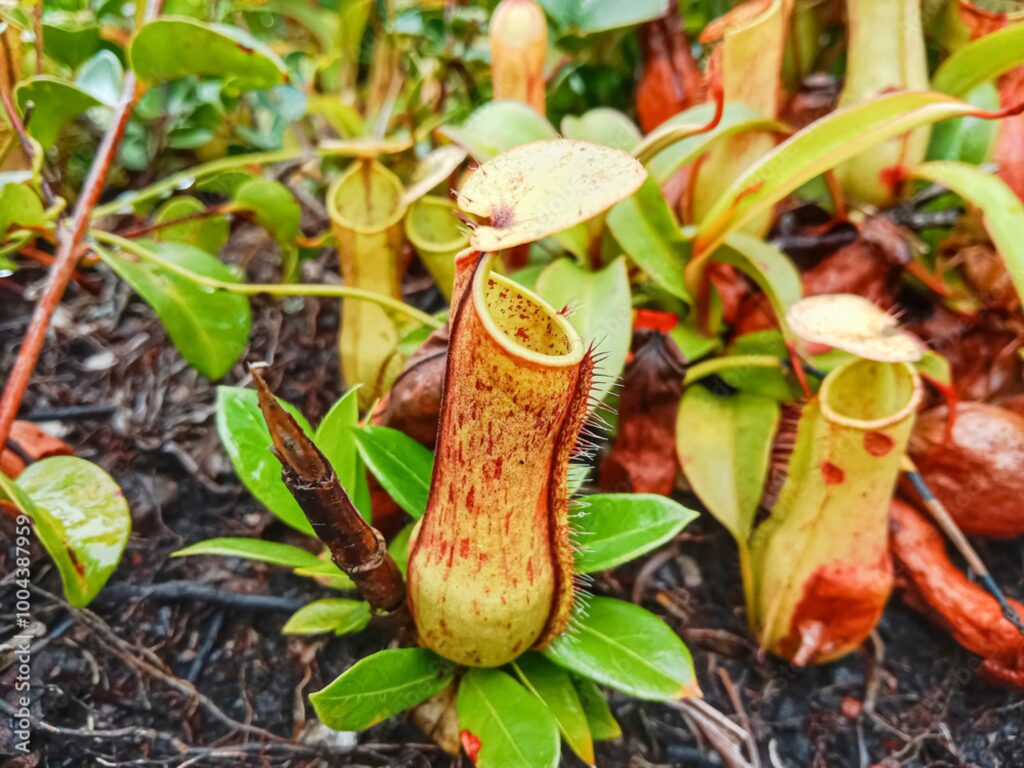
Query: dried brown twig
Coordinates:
[356,547]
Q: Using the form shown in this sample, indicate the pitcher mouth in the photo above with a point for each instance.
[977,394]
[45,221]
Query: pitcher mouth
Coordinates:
[909,393]
[526,326]
[368,220]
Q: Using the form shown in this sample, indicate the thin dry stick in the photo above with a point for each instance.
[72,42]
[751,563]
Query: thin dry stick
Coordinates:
[737,704]
[356,547]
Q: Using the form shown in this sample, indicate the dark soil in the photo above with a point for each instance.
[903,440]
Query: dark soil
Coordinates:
[111,685]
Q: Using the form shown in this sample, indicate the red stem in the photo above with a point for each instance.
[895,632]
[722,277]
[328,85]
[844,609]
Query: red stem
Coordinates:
[69,241]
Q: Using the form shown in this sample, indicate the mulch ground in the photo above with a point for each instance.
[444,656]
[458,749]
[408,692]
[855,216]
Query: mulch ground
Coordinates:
[181,662]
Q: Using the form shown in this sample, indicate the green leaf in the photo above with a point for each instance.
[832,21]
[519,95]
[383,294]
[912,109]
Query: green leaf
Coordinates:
[552,685]
[822,145]
[770,382]
[603,725]
[333,614]
[209,327]
[208,233]
[602,125]
[583,17]
[625,647]
[253,549]
[102,77]
[968,139]
[277,212]
[55,103]
[245,437]
[403,466]
[399,548]
[1001,209]
[648,232]
[503,725]
[497,126]
[603,311]
[327,574]
[81,518]
[614,528]
[335,437]
[724,446]
[381,685]
[768,267]
[71,39]
[20,207]
[980,60]
[169,48]
[736,118]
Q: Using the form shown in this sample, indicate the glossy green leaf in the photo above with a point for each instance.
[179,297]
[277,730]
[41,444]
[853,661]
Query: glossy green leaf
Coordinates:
[327,574]
[81,518]
[20,207]
[503,725]
[274,209]
[967,139]
[552,685]
[1002,210]
[586,16]
[54,103]
[253,549]
[335,436]
[245,437]
[208,233]
[333,614]
[399,548]
[648,232]
[736,118]
[603,125]
[380,686]
[724,446]
[615,528]
[603,725]
[822,145]
[403,466]
[769,268]
[980,60]
[602,311]
[625,647]
[169,48]
[497,126]
[209,327]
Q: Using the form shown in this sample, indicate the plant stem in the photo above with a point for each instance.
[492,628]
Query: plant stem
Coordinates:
[188,176]
[69,237]
[16,122]
[356,547]
[252,289]
[717,364]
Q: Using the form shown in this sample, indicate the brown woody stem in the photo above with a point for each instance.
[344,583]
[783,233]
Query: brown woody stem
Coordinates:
[356,547]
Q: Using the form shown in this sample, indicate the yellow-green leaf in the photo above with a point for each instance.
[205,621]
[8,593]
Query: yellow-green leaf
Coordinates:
[80,516]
